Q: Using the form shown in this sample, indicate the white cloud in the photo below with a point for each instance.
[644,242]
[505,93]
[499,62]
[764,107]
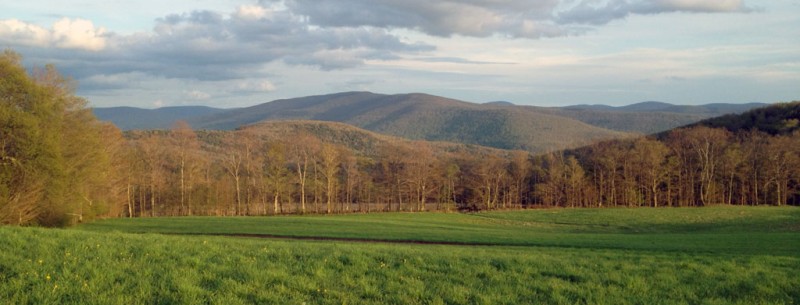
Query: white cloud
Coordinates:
[255,86]
[65,33]
[251,12]
[78,34]
[198,95]
[25,34]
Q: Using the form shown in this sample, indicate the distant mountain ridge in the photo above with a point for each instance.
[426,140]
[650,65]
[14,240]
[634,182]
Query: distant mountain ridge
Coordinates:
[129,118]
[776,119]
[421,116]
[647,117]
[713,109]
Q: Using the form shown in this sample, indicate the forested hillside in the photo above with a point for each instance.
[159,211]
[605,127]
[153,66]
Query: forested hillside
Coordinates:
[424,117]
[421,116]
[318,167]
[751,158]
[642,123]
[59,165]
[779,119]
[646,117]
[710,110]
[294,166]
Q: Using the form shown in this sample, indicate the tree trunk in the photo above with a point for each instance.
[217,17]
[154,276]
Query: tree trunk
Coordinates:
[183,186]
[238,196]
[130,202]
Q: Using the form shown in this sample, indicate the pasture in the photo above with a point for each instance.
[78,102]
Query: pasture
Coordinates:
[713,255]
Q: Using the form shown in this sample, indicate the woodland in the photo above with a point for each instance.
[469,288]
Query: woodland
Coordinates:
[59,165]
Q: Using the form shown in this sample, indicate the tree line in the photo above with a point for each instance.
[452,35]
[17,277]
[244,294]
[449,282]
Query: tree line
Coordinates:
[59,165]
[177,172]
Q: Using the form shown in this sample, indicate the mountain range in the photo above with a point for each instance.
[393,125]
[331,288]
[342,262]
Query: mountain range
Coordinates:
[426,117]
[131,118]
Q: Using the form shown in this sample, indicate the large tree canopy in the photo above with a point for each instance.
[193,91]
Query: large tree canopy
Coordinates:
[54,167]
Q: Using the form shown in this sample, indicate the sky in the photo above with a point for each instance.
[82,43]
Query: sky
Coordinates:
[156,53]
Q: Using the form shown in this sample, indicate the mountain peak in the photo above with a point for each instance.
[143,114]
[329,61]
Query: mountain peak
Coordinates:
[500,103]
[648,106]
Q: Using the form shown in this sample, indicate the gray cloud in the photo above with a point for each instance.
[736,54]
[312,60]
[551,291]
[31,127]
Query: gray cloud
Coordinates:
[601,12]
[325,34]
[328,34]
[481,18]
[208,45]
[458,60]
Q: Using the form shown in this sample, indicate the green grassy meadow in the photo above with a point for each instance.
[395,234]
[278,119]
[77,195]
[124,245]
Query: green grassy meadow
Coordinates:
[713,255]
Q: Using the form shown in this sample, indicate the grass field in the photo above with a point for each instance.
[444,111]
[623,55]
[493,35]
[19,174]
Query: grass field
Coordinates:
[715,255]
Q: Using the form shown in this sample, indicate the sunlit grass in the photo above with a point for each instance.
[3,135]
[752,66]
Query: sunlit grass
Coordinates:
[751,230]
[49,266]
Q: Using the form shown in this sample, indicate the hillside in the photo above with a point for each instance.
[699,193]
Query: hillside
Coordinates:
[646,117]
[427,117]
[129,118]
[634,122]
[713,109]
[423,117]
[359,141]
[777,119]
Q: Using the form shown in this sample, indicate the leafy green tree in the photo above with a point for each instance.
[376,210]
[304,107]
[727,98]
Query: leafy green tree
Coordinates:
[53,162]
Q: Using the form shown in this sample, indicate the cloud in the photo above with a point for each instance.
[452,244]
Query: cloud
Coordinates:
[478,18]
[207,45]
[65,33]
[237,44]
[251,12]
[233,52]
[326,34]
[110,81]
[252,86]
[198,95]
[21,33]
[482,18]
[601,12]
[458,60]
[78,34]
[695,6]
[211,46]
